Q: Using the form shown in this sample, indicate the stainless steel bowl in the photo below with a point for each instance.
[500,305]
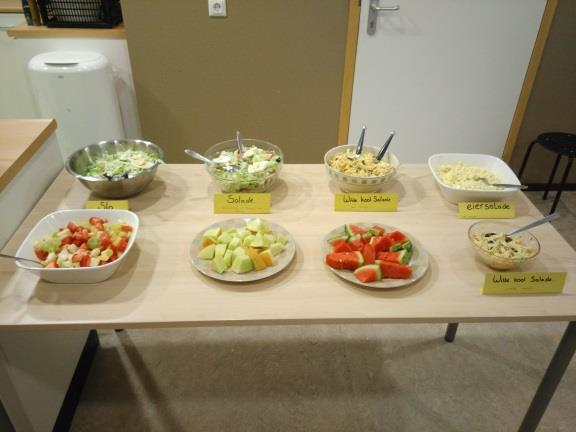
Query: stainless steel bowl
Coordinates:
[79,161]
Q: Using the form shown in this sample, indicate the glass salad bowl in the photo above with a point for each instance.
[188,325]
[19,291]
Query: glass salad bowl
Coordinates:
[499,251]
[257,171]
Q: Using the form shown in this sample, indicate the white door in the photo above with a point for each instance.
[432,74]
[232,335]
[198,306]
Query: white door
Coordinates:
[445,74]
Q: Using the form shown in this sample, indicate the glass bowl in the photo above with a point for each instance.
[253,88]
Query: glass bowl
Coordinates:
[502,262]
[355,184]
[244,181]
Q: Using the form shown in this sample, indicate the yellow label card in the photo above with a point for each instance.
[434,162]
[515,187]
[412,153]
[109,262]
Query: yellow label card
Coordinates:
[242,203]
[107,205]
[524,283]
[366,202]
[486,210]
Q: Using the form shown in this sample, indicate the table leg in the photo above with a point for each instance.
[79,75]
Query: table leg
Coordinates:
[551,379]
[450,332]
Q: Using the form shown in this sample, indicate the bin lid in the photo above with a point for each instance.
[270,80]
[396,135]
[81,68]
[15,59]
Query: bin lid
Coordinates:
[68,61]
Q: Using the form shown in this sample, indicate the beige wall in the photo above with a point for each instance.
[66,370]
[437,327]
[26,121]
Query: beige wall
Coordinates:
[552,104]
[272,69]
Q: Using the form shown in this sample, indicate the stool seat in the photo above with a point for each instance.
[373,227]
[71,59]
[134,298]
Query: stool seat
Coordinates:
[559,143]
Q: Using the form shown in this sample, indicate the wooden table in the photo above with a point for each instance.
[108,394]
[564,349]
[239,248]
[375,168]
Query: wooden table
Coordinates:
[158,287]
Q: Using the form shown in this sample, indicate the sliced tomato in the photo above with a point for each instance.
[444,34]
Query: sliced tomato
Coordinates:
[67,240]
[122,244]
[126,228]
[369,254]
[40,254]
[97,221]
[105,241]
[85,260]
[72,227]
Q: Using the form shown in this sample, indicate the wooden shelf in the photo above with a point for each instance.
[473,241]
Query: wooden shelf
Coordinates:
[10,6]
[25,31]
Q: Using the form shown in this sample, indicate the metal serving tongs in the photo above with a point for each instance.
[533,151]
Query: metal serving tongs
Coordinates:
[551,217]
[360,142]
[384,148]
[504,185]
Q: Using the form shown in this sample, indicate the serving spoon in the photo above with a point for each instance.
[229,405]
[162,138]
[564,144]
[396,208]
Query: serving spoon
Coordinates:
[551,217]
[360,142]
[196,155]
[383,149]
[240,145]
[505,185]
[38,263]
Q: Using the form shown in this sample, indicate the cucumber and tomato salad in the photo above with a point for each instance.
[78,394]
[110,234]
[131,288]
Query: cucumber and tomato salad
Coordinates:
[371,253]
[90,243]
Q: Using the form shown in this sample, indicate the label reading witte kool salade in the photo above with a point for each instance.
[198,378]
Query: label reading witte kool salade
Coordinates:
[524,283]
[107,205]
[486,210]
[242,203]
[366,202]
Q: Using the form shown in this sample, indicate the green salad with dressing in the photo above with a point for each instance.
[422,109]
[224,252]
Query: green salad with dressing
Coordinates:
[121,165]
[251,172]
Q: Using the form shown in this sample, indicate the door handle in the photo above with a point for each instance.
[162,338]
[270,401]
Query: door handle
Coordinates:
[373,10]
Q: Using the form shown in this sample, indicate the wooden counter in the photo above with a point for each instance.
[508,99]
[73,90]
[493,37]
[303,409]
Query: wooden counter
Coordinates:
[19,140]
[156,286]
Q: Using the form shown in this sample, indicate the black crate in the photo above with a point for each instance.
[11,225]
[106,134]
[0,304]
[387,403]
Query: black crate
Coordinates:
[80,13]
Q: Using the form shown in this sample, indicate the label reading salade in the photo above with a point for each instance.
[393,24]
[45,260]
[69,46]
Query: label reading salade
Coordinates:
[366,202]
[524,283]
[486,210]
[107,205]
[242,203]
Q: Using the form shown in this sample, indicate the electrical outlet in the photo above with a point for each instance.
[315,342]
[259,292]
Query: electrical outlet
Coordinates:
[217,8]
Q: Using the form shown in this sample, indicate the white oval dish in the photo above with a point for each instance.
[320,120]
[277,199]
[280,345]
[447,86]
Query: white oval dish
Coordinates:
[81,275]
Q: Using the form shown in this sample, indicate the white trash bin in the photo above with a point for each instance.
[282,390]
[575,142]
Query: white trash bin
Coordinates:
[77,89]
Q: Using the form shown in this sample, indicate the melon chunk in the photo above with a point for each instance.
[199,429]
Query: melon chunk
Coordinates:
[242,264]
[219,265]
[207,253]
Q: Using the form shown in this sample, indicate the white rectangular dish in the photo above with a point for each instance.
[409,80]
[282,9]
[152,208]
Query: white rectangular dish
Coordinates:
[54,221]
[496,165]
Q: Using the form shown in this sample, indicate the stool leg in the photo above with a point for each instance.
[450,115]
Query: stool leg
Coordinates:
[564,177]
[526,156]
[552,175]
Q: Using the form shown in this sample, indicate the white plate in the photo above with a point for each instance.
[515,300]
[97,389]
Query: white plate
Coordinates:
[419,262]
[283,258]
[80,275]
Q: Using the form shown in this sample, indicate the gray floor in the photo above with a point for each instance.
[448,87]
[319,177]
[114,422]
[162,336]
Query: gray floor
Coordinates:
[328,378]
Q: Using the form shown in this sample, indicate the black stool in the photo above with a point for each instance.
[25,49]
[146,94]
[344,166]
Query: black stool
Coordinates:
[563,144]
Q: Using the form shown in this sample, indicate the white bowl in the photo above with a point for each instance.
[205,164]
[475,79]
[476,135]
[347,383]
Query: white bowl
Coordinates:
[492,163]
[357,184]
[59,219]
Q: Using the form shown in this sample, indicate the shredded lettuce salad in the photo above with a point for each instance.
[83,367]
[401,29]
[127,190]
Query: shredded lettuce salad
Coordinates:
[251,172]
[124,164]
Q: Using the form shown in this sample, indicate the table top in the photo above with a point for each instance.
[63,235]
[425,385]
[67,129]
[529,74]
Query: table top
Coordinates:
[19,140]
[157,286]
